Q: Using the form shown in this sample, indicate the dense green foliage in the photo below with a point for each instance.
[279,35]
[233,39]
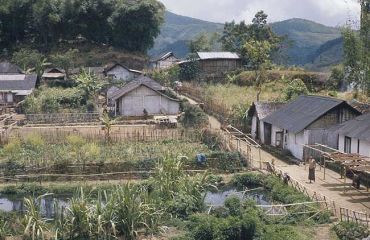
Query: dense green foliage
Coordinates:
[34,151]
[53,100]
[351,231]
[132,25]
[238,37]
[294,89]
[193,116]
[124,212]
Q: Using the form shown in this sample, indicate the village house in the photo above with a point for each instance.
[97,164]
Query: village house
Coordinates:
[14,84]
[120,73]
[143,96]
[215,65]
[306,120]
[256,113]
[53,75]
[354,136]
[164,61]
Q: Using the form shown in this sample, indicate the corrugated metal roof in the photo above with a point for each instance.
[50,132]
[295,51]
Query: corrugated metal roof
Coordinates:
[142,80]
[12,77]
[28,83]
[300,113]
[217,55]
[263,109]
[356,128]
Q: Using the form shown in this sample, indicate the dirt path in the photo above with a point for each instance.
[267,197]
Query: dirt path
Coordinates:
[332,186]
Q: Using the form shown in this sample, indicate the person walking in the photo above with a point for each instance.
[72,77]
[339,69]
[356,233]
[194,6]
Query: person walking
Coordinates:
[311,169]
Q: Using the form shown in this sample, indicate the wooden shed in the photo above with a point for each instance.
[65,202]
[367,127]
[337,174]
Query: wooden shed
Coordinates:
[141,97]
[215,65]
[306,120]
[53,75]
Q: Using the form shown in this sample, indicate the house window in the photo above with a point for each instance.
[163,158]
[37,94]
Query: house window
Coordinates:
[347,144]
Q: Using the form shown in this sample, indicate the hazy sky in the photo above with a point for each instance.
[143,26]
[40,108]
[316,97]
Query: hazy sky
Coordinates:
[328,12]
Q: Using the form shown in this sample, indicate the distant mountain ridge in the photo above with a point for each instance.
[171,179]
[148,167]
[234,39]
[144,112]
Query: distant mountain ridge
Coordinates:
[178,30]
[311,43]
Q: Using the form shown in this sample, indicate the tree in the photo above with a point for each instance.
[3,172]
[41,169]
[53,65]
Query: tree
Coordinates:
[235,35]
[199,44]
[295,89]
[46,18]
[89,84]
[190,69]
[365,37]
[65,61]
[258,53]
[30,60]
[135,24]
[353,58]
[14,20]
[335,81]
[107,125]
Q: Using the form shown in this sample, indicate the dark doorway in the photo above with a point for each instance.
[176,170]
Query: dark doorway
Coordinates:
[267,133]
[347,144]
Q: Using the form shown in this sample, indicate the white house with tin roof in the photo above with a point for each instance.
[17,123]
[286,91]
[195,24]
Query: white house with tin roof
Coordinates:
[14,84]
[143,96]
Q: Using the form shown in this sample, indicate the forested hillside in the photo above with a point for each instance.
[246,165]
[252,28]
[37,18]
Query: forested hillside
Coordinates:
[306,38]
[43,24]
[177,31]
[309,43]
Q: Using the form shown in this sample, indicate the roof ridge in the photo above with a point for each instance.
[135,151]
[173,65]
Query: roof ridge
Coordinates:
[324,97]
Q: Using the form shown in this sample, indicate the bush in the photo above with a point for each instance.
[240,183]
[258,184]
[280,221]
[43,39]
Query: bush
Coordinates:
[212,140]
[233,204]
[52,100]
[203,226]
[229,229]
[247,180]
[294,89]
[182,205]
[226,161]
[351,231]
[193,116]
[189,70]
[280,232]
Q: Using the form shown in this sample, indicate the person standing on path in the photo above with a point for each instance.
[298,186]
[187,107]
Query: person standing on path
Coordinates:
[311,169]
